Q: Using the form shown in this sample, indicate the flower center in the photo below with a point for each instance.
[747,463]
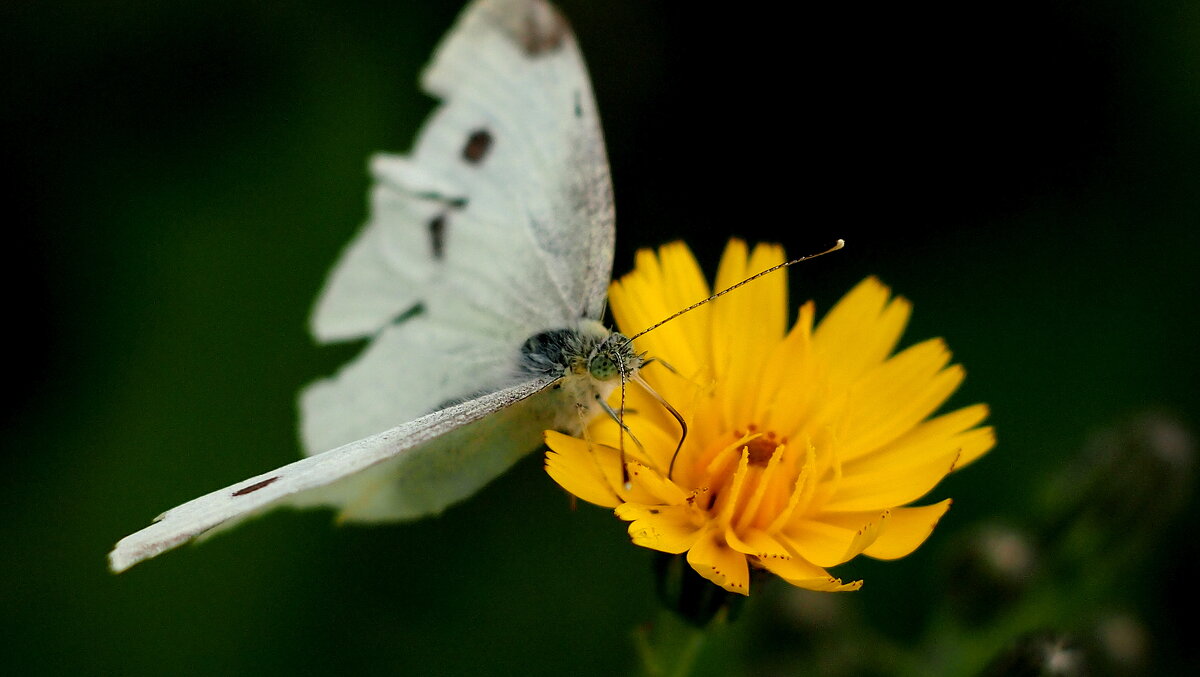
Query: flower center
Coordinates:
[748,495]
[761,448]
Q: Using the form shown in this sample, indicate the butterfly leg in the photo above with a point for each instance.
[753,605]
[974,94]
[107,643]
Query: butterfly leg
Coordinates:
[587,438]
[637,378]
[616,416]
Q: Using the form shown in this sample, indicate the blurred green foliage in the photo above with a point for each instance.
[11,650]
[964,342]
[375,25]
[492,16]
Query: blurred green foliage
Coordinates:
[183,175]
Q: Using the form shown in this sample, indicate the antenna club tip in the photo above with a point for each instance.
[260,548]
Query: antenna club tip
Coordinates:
[840,243]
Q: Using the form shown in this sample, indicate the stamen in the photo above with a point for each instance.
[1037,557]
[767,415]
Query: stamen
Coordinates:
[761,449]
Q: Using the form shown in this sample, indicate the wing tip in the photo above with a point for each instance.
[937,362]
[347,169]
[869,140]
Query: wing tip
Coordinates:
[537,27]
[122,557]
[142,545]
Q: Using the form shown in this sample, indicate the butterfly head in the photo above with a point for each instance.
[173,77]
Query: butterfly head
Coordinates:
[614,357]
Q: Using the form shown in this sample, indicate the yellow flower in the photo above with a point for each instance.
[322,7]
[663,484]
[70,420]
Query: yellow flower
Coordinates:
[802,445]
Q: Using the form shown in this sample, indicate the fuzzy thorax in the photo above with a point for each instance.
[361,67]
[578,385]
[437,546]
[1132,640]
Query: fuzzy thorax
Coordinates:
[589,362]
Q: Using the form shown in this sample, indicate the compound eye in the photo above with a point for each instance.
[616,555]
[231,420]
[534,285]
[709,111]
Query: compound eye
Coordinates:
[602,367]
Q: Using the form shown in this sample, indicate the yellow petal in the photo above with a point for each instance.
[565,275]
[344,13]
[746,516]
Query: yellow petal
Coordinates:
[669,529]
[661,489]
[861,330]
[822,544]
[973,444]
[827,585]
[937,438]
[647,426]
[828,543]
[889,400]
[660,286]
[880,490]
[942,427]
[593,472]
[573,466]
[906,529]
[757,543]
[788,384]
[744,321]
[804,574]
[713,559]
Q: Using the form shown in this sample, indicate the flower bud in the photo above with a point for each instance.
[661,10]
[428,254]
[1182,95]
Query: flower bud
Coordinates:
[991,569]
[690,595]
[1039,654]
[1122,490]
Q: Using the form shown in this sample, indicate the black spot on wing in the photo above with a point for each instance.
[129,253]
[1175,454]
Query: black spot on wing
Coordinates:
[540,29]
[406,315]
[255,487]
[477,146]
[449,201]
[578,105]
[437,236]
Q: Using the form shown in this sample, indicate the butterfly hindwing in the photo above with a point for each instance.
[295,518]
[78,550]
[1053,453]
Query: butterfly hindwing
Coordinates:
[375,391]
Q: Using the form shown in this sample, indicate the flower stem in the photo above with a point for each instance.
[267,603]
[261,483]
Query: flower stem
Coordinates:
[668,647]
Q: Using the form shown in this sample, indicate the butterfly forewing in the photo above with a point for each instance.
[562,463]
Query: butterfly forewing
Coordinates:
[505,201]
[514,72]
[500,225]
[437,448]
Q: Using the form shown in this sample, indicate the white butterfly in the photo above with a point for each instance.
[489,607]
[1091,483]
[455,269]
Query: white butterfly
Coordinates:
[480,278]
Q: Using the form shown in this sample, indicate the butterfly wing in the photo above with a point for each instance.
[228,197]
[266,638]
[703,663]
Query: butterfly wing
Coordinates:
[498,225]
[508,175]
[413,469]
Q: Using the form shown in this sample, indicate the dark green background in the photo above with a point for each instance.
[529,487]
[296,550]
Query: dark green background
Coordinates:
[182,176]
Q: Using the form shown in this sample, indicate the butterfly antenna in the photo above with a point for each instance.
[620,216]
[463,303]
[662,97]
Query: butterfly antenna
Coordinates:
[621,423]
[840,243]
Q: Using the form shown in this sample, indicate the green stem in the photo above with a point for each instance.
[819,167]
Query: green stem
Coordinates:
[669,646]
